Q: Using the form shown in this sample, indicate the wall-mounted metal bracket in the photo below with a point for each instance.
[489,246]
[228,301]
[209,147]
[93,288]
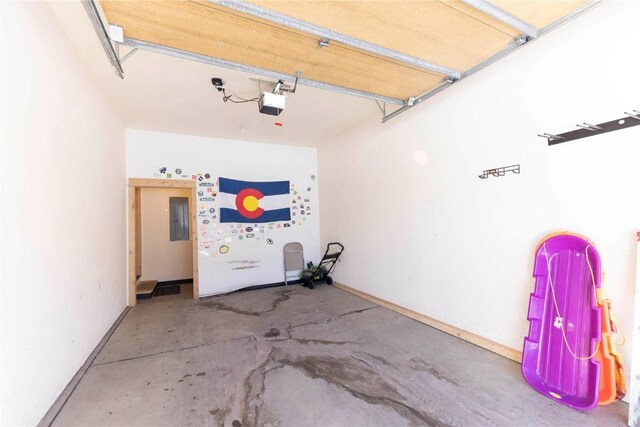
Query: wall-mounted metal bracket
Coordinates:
[116,35]
[586,130]
[499,171]
[128,55]
[550,137]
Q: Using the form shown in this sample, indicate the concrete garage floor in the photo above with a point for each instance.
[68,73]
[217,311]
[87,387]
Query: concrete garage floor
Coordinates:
[298,357]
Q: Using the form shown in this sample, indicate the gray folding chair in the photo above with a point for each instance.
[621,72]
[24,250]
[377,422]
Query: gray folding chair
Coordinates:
[293,261]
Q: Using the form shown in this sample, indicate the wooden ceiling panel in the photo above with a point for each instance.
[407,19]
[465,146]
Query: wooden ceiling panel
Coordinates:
[440,32]
[539,13]
[221,33]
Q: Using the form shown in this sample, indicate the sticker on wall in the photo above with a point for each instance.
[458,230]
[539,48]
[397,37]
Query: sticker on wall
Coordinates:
[287,225]
[240,237]
[306,200]
[234,231]
[200,177]
[223,249]
[205,184]
[168,175]
[270,241]
[249,229]
[228,239]
[293,222]
[313,177]
[178,171]
[207,199]
[200,193]
[206,244]
[163,170]
[212,210]
[205,222]
[207,175]
[250,235]
[308,188]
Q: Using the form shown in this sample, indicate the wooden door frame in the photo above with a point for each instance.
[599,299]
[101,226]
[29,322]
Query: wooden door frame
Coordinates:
[134,185]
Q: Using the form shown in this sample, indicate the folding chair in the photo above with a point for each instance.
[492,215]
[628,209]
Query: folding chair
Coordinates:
[293,261]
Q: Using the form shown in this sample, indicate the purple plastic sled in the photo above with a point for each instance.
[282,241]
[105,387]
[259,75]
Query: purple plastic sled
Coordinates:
[547,365]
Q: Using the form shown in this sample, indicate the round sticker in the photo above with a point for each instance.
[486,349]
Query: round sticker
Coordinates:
[163,169]
[240,237]
[313,177]
[270,241]
[206,175]
[224,249]
[249,229]
[178,171]
[212,210]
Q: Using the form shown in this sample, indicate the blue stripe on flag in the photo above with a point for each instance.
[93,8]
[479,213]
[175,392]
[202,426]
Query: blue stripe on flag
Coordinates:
[232,215]
[273,188]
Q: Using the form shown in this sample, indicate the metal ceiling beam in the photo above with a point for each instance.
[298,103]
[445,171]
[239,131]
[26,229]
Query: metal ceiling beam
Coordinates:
[94,15]
[505,17]
[516,44]
[328,35]
[152,47]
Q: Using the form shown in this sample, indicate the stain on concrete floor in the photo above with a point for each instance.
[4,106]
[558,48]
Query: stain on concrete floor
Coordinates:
[294,356]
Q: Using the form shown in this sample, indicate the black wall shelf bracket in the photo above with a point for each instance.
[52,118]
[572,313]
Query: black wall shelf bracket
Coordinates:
[499,171]
[586,130]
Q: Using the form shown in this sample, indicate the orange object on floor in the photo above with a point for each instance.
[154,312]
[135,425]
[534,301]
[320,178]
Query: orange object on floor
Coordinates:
[604,356]
[612,382]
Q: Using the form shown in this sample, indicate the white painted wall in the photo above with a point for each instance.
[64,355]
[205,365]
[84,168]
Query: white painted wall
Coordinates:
[62,218]
[162,259]
[438,240]
[147,152]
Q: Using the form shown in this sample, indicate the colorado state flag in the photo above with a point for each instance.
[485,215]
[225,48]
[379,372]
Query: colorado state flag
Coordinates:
[252,202]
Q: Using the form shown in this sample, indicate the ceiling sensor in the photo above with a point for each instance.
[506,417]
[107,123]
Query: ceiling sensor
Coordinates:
[218,83]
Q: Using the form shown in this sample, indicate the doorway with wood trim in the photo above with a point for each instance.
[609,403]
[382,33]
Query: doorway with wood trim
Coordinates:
[136,187]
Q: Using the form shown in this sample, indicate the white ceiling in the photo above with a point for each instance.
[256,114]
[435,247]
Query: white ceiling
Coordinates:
[175,95]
